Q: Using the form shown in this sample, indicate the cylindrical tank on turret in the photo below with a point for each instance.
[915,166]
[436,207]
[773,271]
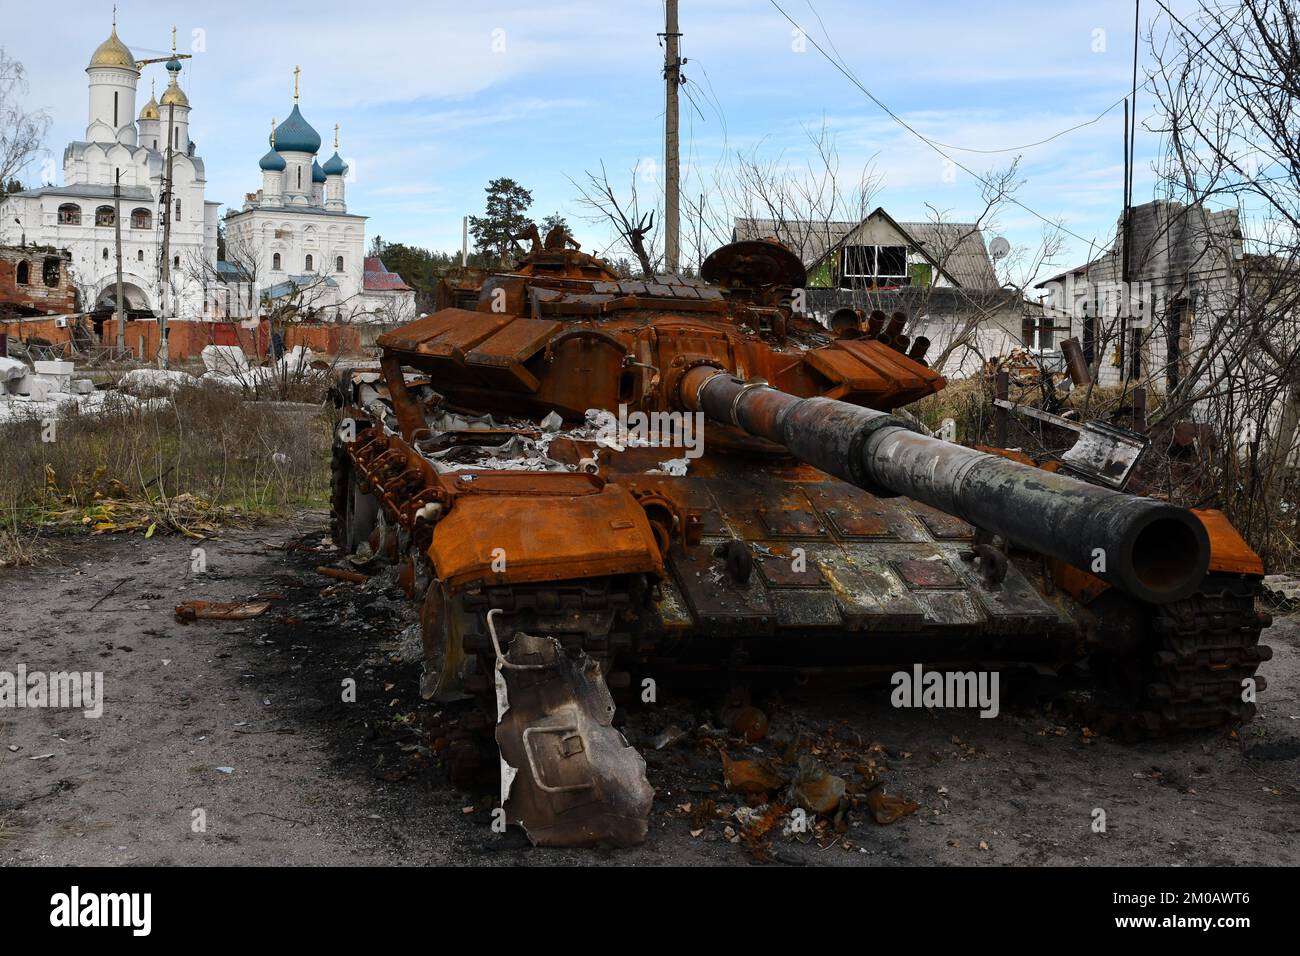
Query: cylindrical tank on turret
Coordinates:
[1153,550]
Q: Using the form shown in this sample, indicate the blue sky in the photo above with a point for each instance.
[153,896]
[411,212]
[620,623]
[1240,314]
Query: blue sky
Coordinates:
[434,99]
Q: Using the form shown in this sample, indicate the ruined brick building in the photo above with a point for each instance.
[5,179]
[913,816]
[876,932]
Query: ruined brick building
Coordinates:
[35,281]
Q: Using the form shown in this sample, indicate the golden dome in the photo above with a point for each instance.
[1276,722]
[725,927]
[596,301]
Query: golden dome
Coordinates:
[150,111]
[113,52]
[174,96]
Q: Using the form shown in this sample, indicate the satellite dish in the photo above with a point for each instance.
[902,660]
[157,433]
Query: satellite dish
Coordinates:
[999,247]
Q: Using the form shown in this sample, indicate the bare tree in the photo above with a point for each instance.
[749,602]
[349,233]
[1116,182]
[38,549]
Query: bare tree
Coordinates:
[635,228]
[1220,342]
[21,131]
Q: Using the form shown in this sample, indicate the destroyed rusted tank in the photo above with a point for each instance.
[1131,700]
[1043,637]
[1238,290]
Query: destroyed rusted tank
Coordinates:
[689,476]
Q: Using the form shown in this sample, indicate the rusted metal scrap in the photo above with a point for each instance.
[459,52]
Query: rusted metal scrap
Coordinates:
[567,776]
[219,610]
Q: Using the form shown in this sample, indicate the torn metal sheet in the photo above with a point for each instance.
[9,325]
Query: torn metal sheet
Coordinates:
[567,776]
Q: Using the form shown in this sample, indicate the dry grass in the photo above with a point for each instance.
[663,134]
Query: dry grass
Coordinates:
[188,465]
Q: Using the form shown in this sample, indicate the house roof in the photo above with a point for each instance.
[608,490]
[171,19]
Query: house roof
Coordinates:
[956,248]
[294,283]
[377,278]
[87,191]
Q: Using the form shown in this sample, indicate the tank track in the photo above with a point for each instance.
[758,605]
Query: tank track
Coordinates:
[1205,646]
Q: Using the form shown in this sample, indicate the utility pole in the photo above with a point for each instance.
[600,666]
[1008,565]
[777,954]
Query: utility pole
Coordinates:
[464,241]
[672,171]
[165,271]
[117,239]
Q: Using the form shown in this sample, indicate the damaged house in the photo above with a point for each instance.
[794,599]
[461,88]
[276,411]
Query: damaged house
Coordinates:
[35,281]
[940,274]
[1186,262]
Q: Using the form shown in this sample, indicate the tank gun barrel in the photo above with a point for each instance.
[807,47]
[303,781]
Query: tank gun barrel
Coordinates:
[1153,550]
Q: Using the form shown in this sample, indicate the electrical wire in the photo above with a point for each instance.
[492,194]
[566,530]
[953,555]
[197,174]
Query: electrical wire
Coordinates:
[922,137]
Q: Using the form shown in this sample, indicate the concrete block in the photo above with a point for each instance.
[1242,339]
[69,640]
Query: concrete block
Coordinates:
[225,359]
[34,387]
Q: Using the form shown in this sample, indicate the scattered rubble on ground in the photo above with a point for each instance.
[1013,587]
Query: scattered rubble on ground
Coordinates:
[48,390]
[1282,591]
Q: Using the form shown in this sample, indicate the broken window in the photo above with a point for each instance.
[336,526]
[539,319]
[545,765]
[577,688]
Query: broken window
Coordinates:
[23,275]
[141,219]
[52,272]
[1177,342]
[1038,332]
[69,214]
[104,216]
[866,267]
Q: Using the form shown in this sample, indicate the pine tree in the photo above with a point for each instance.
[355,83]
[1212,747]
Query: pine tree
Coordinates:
[504,218]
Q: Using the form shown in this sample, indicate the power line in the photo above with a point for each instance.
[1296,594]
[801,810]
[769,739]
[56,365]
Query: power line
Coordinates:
[933,145]
[975,149]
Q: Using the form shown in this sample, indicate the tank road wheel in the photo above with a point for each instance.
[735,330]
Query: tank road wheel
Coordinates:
[442,630]
[340,490]
[353,515]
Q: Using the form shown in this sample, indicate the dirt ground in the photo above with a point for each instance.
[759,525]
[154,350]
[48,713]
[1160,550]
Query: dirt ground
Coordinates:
[245,722]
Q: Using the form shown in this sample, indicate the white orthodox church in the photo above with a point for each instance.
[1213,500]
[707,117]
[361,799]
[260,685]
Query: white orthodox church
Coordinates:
[119,145]
[297,241]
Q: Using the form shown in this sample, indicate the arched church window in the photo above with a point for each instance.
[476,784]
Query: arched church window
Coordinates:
[69,214]
[176,262]
[275,262]
[115,122]
[106,253]
[104,216]
[308,264]
[139,255]
[52,272]
[141,219]
[24,275]
[300,177]
[338,264]
[178,210]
